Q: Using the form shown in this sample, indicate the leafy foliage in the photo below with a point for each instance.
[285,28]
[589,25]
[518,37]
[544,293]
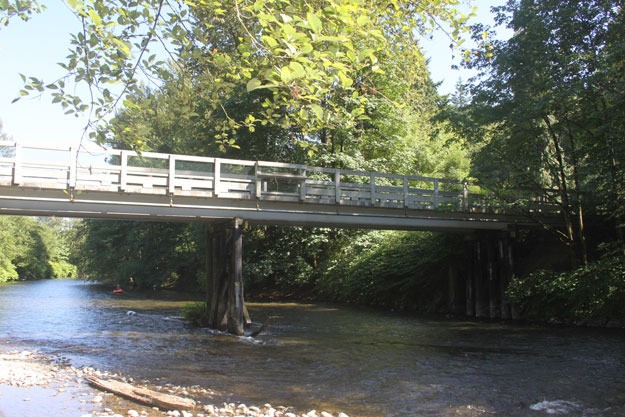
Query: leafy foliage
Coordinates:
[404,270]
[33,249]
[593,294]
[288,258]
[316,63]
[196,313]
[154,254]
[23,9]
[550,93]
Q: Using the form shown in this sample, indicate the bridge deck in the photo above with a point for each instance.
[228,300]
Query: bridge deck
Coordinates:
[153,186]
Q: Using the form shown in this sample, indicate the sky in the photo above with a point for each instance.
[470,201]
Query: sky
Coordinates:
[35,47]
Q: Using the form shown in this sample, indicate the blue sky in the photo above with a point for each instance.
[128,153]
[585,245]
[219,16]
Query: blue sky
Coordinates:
[33,48]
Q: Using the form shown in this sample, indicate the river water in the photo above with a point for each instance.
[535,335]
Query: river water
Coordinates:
[326,357]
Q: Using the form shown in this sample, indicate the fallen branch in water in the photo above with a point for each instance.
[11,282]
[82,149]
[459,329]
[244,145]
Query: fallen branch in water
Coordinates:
[263,326]
[142,395]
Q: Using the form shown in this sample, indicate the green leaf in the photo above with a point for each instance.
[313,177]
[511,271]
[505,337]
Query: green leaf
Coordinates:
[285,74]
[306,48]
[95,17]
[363,20]
[75,4]
[346,81]
[269,41]
[123,47]
[317,110]
[297,70]
[253,84]
[314,22]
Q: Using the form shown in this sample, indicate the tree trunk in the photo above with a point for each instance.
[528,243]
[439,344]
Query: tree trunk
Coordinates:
[564,192]
[581,234]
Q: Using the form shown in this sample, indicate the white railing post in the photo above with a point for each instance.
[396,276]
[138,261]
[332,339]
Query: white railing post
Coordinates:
[123,174]
[302,186]
[73,154]
[435,193]
[337,186]
[405,191]
[17,165]
[171,175]
[372,188]
[217,177]
[258,181]
[465,196]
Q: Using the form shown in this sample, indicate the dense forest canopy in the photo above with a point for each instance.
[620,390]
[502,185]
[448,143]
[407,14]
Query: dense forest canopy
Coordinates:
[553,93]
[304,65]
[344,83]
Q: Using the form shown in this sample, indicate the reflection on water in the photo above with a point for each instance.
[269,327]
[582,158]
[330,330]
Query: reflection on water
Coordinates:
[315,356]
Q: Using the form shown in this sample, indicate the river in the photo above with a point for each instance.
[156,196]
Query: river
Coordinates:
[326,357]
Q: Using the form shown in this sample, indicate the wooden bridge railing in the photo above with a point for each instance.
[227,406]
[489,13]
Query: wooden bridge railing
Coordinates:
[207,177]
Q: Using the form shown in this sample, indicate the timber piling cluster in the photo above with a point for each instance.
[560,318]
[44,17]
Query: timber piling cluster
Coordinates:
[480,289]
[224,268]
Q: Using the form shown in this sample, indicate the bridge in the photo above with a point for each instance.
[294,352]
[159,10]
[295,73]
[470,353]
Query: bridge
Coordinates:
[225,193]
[120,184]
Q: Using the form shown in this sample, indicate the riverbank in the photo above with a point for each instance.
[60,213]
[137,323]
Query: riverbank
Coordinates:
[33,384]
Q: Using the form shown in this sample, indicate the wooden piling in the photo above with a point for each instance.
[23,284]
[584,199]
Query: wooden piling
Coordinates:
[480,284]
[504,253]
[224,267]
[236,318]
[494,290]
[470,300]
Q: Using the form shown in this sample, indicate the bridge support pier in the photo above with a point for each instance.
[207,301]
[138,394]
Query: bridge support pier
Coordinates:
[224,255]
[488,276]
[456,291]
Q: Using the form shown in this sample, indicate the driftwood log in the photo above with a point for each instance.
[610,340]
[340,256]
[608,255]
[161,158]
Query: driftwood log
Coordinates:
[142,395]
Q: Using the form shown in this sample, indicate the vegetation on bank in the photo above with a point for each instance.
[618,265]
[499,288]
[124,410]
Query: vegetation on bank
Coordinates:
[590,295]
[34,249]
[398,270]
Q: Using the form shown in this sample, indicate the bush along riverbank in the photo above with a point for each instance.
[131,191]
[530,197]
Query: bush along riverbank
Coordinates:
[32,383]
[408,272]
[593,295]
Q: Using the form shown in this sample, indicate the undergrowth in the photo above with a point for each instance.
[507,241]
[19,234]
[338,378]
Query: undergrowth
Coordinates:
[594,293]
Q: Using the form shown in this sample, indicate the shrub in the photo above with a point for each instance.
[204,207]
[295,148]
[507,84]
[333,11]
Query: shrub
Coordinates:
[402,270]
[7,270]
[196,313]
[594,293]
[63,269]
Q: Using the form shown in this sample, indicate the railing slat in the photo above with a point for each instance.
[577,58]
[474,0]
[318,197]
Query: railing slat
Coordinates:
[171,178]
[217,177]
[337,186]
[72,169]
[17,165]
[123,175]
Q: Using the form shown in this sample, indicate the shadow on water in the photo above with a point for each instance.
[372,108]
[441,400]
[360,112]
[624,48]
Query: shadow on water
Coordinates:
[362,362]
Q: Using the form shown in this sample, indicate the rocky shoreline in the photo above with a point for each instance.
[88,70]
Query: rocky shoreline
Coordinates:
[33,384]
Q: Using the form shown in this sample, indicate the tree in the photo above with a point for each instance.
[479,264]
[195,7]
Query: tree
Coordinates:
[154,254]
[316,60]
[537,97]
[32,249]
